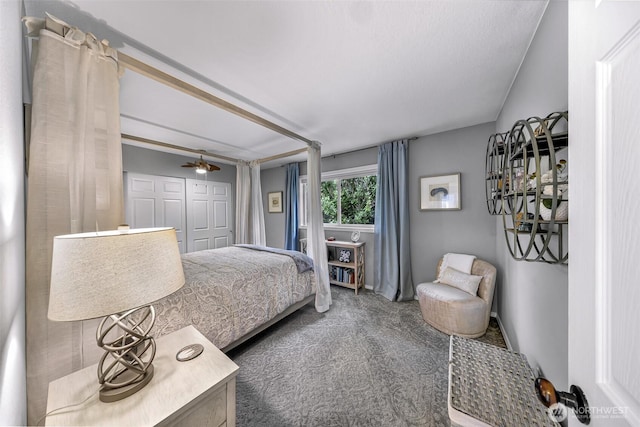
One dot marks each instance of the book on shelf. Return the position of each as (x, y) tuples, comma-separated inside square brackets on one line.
[(342, 274)]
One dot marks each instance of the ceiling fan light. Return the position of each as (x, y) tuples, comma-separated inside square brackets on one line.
[(201, 170)]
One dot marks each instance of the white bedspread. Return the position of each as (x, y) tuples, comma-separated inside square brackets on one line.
[(231, 291)]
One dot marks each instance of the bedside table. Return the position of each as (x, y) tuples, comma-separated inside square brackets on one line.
[(199, 392)]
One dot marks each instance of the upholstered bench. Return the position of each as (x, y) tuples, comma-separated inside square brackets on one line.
[(491, 386)]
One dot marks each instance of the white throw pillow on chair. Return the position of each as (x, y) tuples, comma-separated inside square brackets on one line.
[(461, 262), (463, 281)]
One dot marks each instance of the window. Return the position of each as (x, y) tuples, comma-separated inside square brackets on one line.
[(348, 198)]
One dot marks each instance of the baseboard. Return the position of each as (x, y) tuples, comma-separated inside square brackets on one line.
[(502, 330)]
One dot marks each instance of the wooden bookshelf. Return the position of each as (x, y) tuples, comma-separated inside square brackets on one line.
[(346, 270), (347, 274)]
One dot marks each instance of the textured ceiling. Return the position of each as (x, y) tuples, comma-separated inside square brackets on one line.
[(348, 74)]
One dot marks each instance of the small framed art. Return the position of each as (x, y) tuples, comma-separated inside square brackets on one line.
[(440, 192), (275, 202)]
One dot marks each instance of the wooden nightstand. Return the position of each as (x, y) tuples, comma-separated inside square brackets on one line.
[(198, 392)]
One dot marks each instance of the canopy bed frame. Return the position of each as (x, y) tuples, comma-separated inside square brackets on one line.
[(60, 28), (153, 73)]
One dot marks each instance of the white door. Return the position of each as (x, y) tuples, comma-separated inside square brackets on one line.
[(604, 230), (208, 215), (156, 201)]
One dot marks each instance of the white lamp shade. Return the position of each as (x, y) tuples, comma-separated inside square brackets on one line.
[(102, 273)]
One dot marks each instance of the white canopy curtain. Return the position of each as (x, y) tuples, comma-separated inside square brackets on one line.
[(74, 183), (249, 209), (243, 200), (316, 247), (256, 210)]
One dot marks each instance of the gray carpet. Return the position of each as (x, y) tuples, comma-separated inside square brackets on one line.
[(365, 362)]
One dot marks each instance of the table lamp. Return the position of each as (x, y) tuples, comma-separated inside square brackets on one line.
[(116, 275)]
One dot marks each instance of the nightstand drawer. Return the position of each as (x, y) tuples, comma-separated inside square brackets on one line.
[(210, 410)]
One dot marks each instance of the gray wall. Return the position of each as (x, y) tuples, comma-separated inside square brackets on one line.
[(533, 298), (13, 389), (273, 180), (470, 230)]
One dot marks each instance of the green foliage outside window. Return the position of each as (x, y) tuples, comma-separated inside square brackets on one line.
[(357, 200), (329, 200)]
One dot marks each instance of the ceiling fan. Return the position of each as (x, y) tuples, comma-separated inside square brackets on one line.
[(201, 166)]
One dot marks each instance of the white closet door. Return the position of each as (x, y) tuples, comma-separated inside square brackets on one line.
[(156, 201), (208, 215)]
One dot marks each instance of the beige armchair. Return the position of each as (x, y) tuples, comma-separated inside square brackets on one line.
[(454, 311)]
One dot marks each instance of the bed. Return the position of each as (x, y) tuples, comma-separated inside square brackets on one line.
[(232, 293)]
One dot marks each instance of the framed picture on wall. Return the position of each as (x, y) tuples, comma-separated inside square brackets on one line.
[(275, 202), (440, 192)]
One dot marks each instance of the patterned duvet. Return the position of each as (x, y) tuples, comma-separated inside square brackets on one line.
[(231, 291)]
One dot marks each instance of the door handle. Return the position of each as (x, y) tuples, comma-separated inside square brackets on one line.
[(574, 399)]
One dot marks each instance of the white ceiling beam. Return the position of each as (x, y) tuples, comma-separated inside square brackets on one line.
[(280, 156), (177, 147), (189, 89)]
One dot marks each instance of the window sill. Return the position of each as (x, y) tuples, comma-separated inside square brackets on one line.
[(346, 228)]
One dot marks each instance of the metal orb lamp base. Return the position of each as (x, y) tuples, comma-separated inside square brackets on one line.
[(125, 367)]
